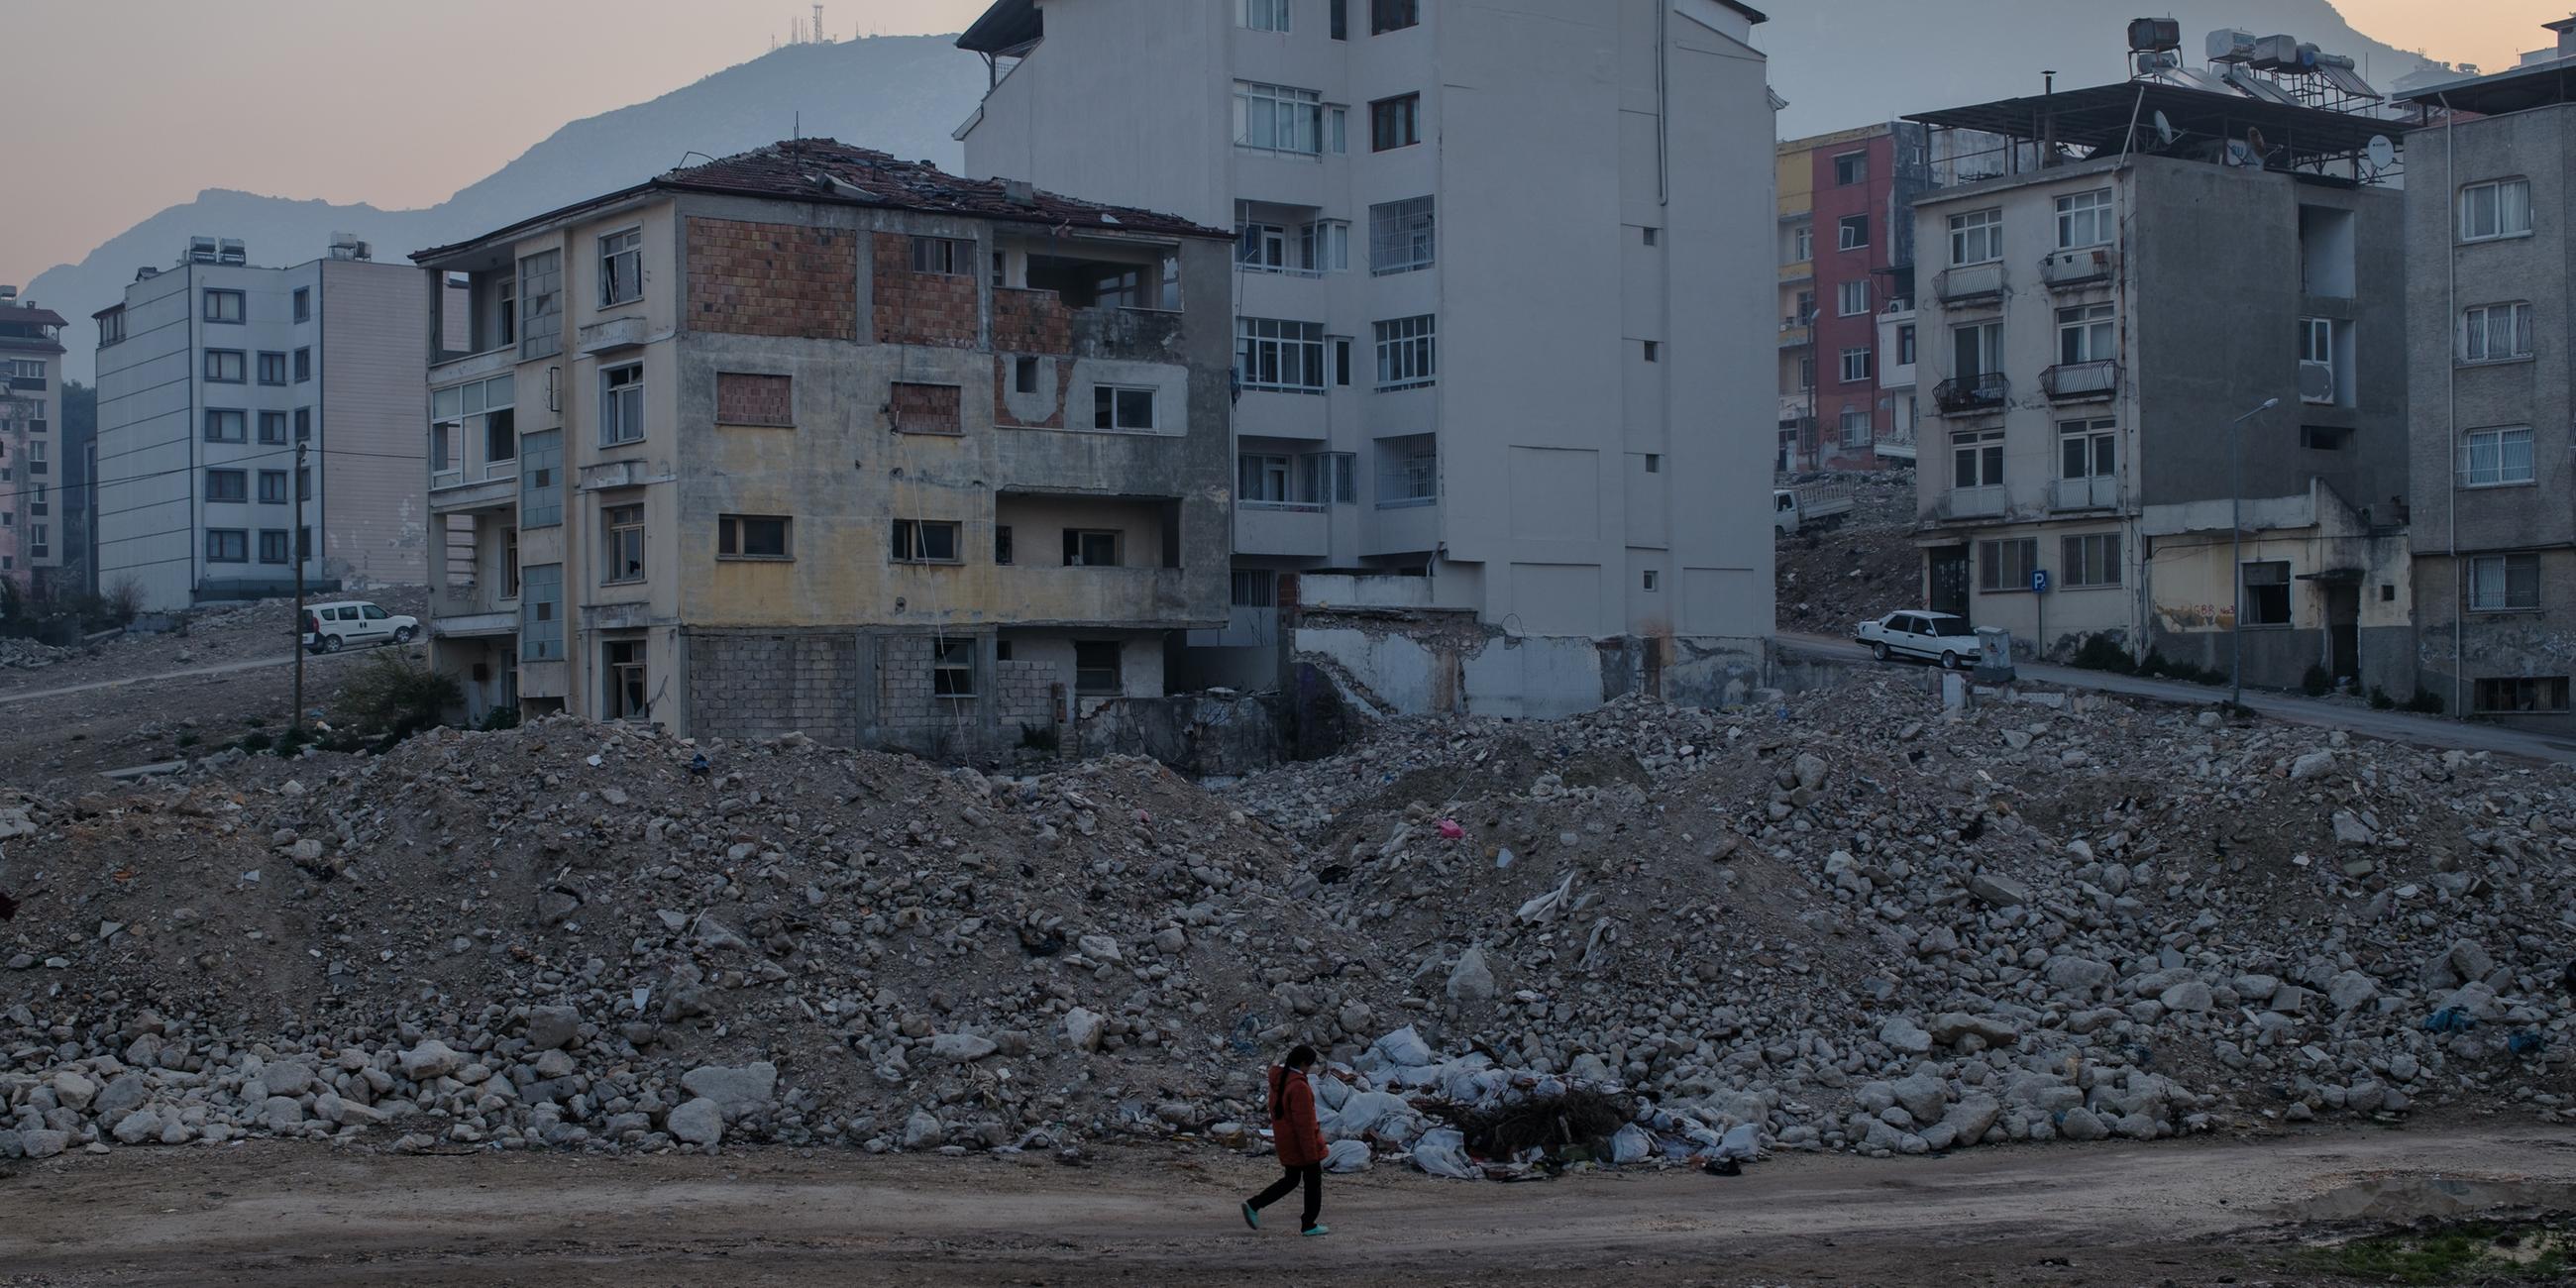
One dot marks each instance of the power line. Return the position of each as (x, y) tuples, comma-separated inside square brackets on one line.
[(99, 483)]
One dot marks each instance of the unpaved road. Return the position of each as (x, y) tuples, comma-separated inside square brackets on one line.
[(286, 1216)]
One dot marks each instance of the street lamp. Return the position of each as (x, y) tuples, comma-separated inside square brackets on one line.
[(2236, 538)]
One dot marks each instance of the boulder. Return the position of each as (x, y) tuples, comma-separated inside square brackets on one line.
[(1470, 980), (961, 1048), (922, 1131), (430, 1059), (553, 1027), (1999, 890), (700, 1122), (736, 1090), (1083, 1028)]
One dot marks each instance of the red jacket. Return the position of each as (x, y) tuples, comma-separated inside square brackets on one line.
[(1292, 1118)]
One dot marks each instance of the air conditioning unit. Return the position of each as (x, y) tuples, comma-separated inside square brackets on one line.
[(2316, 381)]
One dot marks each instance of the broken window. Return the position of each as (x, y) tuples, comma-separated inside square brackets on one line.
[(946, 256), (622, 666), (621, 404), (1002, 543), (2521, 694), (1851, 168), (1122, 407), (622, 548), (1853, 231), (1091, 548), (1024, 375), (2504, 583), (1095, 668), (621, 267), (2266, 593), (924, 541), (952, 667), (2006, 565), (1401, 236), (751, 536), (1395, 122)]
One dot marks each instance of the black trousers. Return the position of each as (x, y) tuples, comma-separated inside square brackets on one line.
[(1312, 1175)]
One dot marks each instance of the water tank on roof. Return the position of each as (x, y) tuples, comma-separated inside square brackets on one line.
[(2154, 35), (2276, 51), (233, 252), (201, 250), (2231, 45)]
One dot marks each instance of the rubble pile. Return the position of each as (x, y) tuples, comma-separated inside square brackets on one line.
[(1839, 921), (1825, 580), (29, 655)]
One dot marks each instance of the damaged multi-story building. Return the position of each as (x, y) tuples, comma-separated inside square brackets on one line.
[(2487, 248), (812, 439), (2148, 263), (33, 544), (1502, 320)]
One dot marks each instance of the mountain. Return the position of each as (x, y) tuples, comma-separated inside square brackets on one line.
[(900, 93)]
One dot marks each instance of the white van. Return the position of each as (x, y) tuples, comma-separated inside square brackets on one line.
[(328, 628)]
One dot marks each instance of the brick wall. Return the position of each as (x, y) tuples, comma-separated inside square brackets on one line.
[(1026, 321), (922, 308), (743, 399), (773, 279), (762, 684), (1006, 379), (1026, 694), (927, 409)]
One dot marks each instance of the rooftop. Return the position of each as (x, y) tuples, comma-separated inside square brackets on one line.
[(29, 315), (2110, 119), (1013, 25), (2519, 90), (829, 171)]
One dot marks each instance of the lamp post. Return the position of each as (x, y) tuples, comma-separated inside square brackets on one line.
[(2236, 539)]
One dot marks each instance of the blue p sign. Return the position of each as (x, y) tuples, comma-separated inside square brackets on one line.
[(2039, 581)]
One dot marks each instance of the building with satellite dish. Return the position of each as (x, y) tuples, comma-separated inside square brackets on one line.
[(2107, 283)]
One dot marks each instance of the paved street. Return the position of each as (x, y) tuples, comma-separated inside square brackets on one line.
[(2351, 717)]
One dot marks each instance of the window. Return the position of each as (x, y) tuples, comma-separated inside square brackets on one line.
[(749, 536), (2325, 438), (1341, 359), (2090, 561), (227, 486), (1260, 245), (2085, 334), (223, 426), (540, 304), (1649, 580), (1261, 479), (1802, 244), (2265, 593), (111, 327), (303, 365), (1263, 15), (2006, 565), (303, 483), (1002, 543), (1122, 407), (1855, 427), (1851, 168), (272, 368), (1654, 463), (1024, 375), (227, 545), (1807, 372), (1407, 353), (952, 667), (1856, 364), (1976, 350), (1648, 234), (1276, 118), (1977, 458), (1408, 471), (1096, 669), (1853, 232), (621, 667), (303, 424), (622, 544), (1091, 548), (2498, 209), (621, 404), (1977, 237), (272, 487), (1400, 236), (223, 306), (1328, 477), (540, 615), (2504, 583), (1851, 299), (2088, 449), (1395, 122), (1653, 351), (224, 366), (921, 541), (1272, 353), (2083, 219), (1905, 345), (1324, 246), (274, 544), (946, 256), (2495, 333), (1393, 15), (1255, 588), (304, 304), (1340, 19), (2520, 694), (621, 267), (506, 308), (272, 427)]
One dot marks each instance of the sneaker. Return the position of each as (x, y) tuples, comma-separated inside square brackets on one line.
[(1318, 1231), (1251, 1216)]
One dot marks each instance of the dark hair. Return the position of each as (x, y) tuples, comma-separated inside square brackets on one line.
[(1301, 1057)]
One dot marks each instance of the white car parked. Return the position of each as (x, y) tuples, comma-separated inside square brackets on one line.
[(328, 628), (1939, 637)]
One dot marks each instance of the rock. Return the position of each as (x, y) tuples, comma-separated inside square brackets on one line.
[(961, 1048), (1099, 948), (281, 1113), (285, 1078), (1083, 1028), (138, 1127), (430, 1059), (1170, 940), (2082, 1124), (1971, 1118), (1900, 1035), (42, 1143), (922, 1131), (74, 1091), (2470, 959), (553, 1027), (2189, 995), (2311, 765), (329, 1107), (2350, 990), (1950, 1028), (1923, 1096), (1809, 770), (700, 1122), (2350, 830), (122, 1094), (736, 1090), (1999, 890), (2078, 974), (1470, 980)]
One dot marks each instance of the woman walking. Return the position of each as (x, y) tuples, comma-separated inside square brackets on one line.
[(1301, 1143)]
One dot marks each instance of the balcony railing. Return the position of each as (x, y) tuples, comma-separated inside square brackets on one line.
[(2075, 381), (1970, 395), (2069, 269), (2085, 494), (477, 472), (1971, 282), (1972, 502)]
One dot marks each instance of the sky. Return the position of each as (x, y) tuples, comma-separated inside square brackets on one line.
[(380, 101)]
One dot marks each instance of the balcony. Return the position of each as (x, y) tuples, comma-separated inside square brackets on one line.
[(1970, 503), (2081, 381), (1792, 335), (1972, 395), (473, 485), (2069, 270), (2085, 494), (1298, 529), (1971, 283), (1050, 595), (609, 335)]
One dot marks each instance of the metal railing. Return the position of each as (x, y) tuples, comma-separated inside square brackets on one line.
[(2075, 380), (2085, 494), (1971, 282), (2081, 267), (1968, 395)]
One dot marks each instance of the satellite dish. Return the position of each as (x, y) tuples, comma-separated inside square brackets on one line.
[(2164, 129), (2383, 153), (2237, 154)]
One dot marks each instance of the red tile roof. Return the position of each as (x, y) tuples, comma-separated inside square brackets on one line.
[(826, 170)]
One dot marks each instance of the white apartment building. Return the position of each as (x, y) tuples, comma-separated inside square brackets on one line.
[(33, 506), (1503, 317), (250, 416)]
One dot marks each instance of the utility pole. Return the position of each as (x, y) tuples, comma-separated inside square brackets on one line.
[(2236, 539), (298, 547)]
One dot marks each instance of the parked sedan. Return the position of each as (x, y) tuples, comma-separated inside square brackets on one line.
[(1939, 637)]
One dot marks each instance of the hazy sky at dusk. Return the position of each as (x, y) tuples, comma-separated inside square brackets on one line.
[(379, 101)]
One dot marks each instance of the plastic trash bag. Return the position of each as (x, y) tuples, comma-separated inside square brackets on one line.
[(1632, 1144), (1442, 1151), (1347, 1156), (1403, 1048), (1742, 1141), (1364, 1112)]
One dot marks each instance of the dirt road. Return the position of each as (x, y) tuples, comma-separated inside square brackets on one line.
[(282, 1216)]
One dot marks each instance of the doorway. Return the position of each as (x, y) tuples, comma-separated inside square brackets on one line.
[(1949, 587), (2343, 632)]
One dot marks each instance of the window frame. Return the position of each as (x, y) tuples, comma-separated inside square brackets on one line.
[(2497, 188), (1079, 544), (1985, 228), (1846, 292), (1859, 364), (2478, 329), (1263, 15), (1846, 227), (1853, 174), (1301, 109), (303, 306), (618, 525), (1408, 352), (240, 422), (1307, 347), (1395, 122), (213, 365), (304, 365), (1868, 429), (227, 479), (284, 541), (950, 657), (1991, 565), (617, 384), (2505, 566), (272, 359), (2281, 588), (942, 256), (733, 533), (212, 312), (1402, 237), (1393, 15), (2088, 333), (2083, 555), (2097, 210), (2481, 701), (909, 541), (625, 244), (1112, 403), (1982, 450), (2501, 440), (212, 548)]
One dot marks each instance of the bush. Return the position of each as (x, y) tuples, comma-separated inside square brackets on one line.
[(2379, 699), (2425, 702), (123, 601), (392, 698), (256, 742), (2316, 683), (188, 739), (291, 740), (2102, 653), (1039, 737), (499, 718)]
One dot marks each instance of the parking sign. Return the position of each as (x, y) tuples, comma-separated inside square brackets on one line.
[(2039, 581)]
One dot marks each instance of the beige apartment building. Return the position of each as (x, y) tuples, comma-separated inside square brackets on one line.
[(812, 439), (32, 504)]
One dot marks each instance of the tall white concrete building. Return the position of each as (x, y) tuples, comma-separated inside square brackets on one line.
[(33, 504), (212, 376), (1503, 319)]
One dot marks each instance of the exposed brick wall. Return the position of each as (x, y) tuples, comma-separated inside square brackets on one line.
[(927, 409), (1006, 378), (905, 704), (922, 308), (1026, 321), (773, 279), (743, 399), (1025, 692), (762, 684)]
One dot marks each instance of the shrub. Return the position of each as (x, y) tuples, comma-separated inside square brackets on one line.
[(499, 718), (2379, 699), (291, 740), (2425, 702), (256, 742), (2316, 683), (1039, 737), (392, 698), (123, 601), (188, 739), (2102, 653)]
